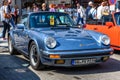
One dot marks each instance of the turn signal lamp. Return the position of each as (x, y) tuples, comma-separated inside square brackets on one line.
[(54, 56)]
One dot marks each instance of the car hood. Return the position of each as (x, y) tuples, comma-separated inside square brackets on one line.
[(65, 33), (72, 39)]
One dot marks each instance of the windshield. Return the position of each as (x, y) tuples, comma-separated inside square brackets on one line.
[(43, 20), (117, 18)]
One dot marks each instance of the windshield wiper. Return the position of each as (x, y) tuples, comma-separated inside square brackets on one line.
[(61, 27)]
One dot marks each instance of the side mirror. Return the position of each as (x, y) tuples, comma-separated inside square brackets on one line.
[(20, 26), (109, 24)]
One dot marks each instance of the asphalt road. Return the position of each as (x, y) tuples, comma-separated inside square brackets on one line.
[(16, 67)]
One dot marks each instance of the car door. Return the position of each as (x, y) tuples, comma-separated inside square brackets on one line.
[(20, 34), (25, 40), (98, 28), (98, 25), (114, 31)]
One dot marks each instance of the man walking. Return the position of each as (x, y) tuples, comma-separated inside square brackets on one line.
[(80, 14)]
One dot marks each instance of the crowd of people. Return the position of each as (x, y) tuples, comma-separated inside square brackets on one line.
[(93, 11), (79, 14), (44, 7)]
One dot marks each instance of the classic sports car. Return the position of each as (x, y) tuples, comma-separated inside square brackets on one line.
[(109, 25), (51, 38)]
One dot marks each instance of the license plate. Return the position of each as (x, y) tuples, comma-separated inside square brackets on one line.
[(83, 61)]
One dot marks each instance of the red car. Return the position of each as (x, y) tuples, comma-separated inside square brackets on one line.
[(109, 25)]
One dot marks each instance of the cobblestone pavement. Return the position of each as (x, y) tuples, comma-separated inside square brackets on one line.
[(16, 67), (3, 46)]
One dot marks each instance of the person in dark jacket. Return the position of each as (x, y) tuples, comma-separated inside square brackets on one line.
[(11, 20), (88, 8)]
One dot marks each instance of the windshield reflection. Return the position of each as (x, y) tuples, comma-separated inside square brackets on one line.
[(42, 20)]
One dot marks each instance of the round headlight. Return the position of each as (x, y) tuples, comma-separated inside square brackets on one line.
[(105, 40), (50, 42)]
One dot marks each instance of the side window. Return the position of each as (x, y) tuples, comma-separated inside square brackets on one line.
[(62, 19), (24, 20)]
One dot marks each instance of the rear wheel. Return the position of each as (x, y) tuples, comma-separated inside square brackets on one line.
[(11, 48), (35, 57)]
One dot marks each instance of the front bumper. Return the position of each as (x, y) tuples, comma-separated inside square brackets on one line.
[(69, 56)]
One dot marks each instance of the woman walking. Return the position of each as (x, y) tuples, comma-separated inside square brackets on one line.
[(5, 18)]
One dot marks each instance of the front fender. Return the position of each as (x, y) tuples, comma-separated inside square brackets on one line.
[(39, 43)]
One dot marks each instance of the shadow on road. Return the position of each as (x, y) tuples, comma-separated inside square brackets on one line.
[(15, 68), (111, 65)]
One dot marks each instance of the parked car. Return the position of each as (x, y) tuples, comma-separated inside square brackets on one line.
[(51, 38), (110, 26)]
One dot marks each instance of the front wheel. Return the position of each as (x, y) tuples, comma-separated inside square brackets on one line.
[(35, 57)]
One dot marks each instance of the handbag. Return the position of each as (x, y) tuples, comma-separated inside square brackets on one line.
[(6, 15), (105, 13)]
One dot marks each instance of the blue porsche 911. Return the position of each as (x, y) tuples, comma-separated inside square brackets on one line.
[(53, 39)]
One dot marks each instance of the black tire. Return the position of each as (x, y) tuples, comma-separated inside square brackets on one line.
[(35, 57), (11, 48)]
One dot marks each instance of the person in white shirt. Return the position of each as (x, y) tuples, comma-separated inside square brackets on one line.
[(99, 10), (5, 18), (106, 8), (105, 13), (93, 12), (80, 14)]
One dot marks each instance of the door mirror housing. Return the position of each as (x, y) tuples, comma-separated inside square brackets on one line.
[(109, 24), (20, 26)]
